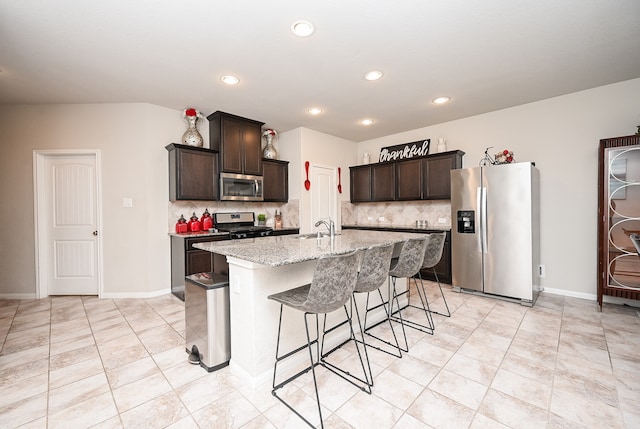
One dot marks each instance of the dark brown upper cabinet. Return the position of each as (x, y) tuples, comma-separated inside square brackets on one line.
[(360, 183), (408, 180), (275, 180), (239, 142), (383, 178), (193, 173), (425, 178), (436, 180)]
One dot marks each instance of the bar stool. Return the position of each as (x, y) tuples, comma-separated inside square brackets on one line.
[(334, 281), (432, 257), (373, 273), (408, 266)]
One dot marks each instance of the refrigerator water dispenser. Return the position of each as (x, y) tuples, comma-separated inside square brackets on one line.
[(466, 222)]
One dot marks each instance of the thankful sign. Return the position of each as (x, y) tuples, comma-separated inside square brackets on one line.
[(405, 151)]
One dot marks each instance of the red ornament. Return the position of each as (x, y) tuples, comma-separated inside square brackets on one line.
[(181, 225), (191, 112), (505, 152), (206, 221), (194, 223)]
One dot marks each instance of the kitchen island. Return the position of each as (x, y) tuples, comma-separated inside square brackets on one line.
[(263, 266)]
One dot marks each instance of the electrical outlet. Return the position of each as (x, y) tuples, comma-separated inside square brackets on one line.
[(369, 217), (381, 219), (541, 271), (442, 220), (127, 202)]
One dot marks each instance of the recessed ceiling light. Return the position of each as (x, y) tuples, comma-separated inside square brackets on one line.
[(314, 110), (230, 80), (366, 122), (373, 75), (302, 28), (441, 100)]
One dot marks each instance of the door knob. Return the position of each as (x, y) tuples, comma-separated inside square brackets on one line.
[(95, 232)]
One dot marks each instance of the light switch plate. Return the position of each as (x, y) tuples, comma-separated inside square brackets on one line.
[(127, 202)]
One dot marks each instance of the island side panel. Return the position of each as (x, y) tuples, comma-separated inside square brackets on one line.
[(254, 318)]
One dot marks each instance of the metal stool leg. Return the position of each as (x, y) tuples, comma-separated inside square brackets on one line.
[(389, 318), (351, 378), (429, 328)]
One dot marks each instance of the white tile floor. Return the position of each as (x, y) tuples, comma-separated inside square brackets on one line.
[(76, 362)]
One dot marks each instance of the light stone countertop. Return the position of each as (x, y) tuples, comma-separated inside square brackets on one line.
[(289, 249), (433, 227)]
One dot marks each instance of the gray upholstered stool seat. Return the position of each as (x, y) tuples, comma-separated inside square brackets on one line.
[(373, 274), (334, 280)]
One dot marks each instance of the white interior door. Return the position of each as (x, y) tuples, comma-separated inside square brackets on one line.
[(68, 224), (324, 194)]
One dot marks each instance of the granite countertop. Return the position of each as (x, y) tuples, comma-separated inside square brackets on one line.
[(290, 249), (214, 234), (437, 227)]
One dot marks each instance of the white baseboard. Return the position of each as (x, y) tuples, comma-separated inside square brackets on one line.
[(124, 295), (593, 297), (563, 292), (17, 296)]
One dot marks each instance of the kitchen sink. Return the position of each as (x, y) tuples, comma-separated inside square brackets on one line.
[(312, 235)]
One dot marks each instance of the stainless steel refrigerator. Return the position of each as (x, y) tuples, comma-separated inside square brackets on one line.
[(495, 237)]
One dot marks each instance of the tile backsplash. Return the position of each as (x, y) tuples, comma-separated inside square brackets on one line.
[(290, 210), (396, 213)]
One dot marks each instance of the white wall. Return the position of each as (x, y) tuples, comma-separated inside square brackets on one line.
[(561, 135), (304, 144), (131, 138)]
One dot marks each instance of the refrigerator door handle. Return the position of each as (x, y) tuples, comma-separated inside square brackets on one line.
[(483, 218), (479, 214)]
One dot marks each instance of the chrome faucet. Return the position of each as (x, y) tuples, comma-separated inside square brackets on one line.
[(330, 226)]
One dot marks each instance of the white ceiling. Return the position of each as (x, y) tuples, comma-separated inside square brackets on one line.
[(486, 55)]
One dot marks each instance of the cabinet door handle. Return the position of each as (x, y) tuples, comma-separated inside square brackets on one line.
[(95, 232)]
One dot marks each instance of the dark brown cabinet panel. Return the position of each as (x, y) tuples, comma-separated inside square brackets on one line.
[(408, 180), (193, 173), (275, 180), (238, 140), (436, 180), (383, 179), (360, 183), (198, 261)]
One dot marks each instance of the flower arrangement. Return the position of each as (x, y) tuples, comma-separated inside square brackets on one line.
[(269, 132), (191, 112), (504, 157)]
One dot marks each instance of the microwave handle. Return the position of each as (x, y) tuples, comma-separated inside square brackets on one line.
[(257, 186)]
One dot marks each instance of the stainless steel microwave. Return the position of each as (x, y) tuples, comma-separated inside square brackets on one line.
[(240, 187)]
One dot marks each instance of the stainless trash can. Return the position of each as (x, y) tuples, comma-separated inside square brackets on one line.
[(207, 321)]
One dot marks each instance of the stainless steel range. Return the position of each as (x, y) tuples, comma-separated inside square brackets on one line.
[(240, 225)]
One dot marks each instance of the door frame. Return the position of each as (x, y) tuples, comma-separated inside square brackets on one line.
[(39, 201)]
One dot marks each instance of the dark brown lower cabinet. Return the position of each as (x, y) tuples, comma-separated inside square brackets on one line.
[(187, 260), (443, 268)]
